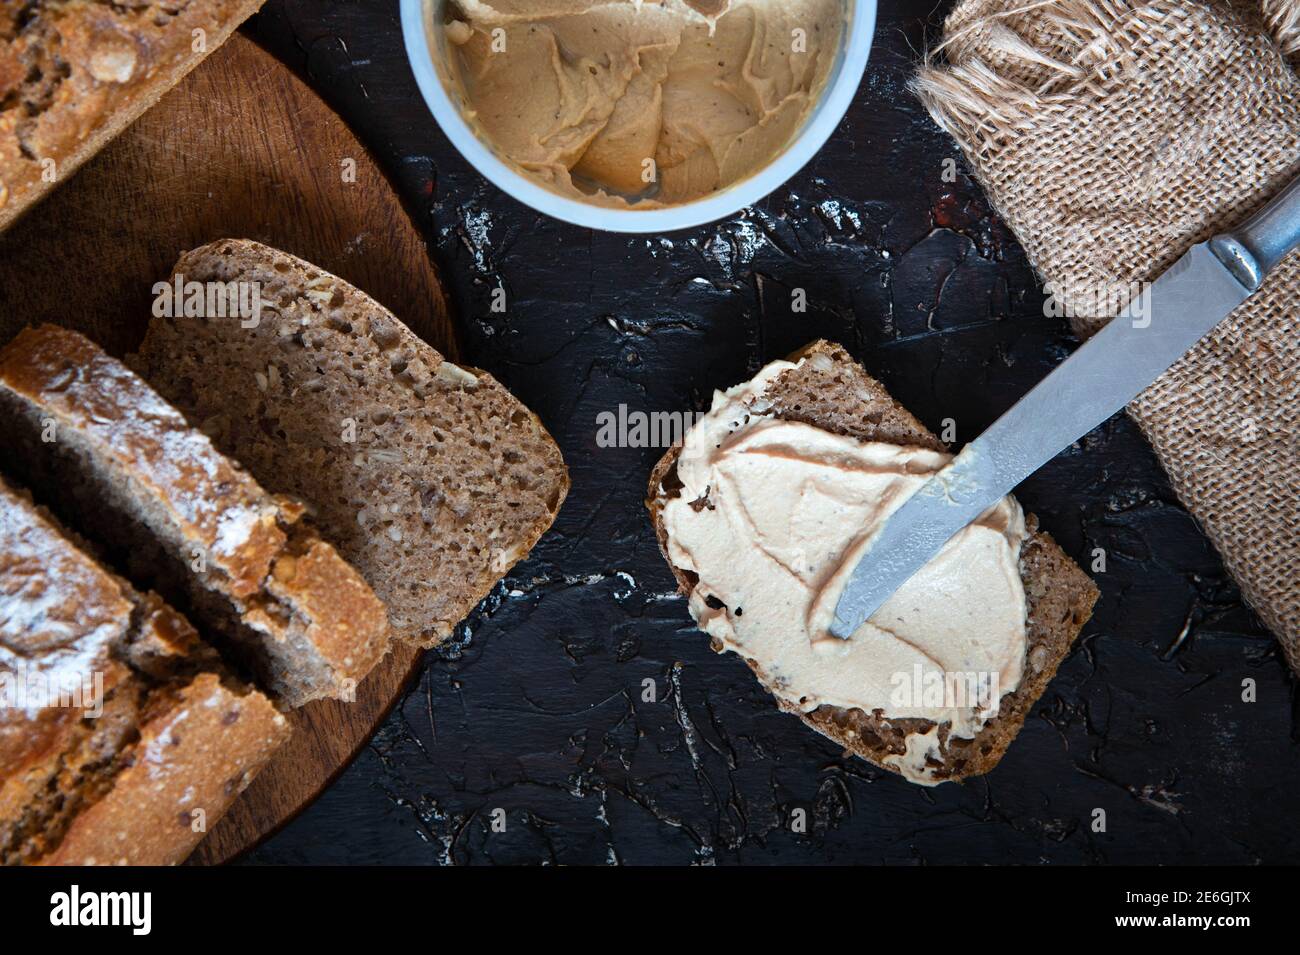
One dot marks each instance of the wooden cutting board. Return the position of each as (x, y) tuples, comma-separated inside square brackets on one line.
[(240, 149)]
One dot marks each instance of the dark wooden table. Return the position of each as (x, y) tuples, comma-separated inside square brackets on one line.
[(536, 708)]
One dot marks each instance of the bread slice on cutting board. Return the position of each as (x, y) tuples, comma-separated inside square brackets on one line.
[(122, 466), (74, 75), (130, 739), (431, 478), (831, 392)]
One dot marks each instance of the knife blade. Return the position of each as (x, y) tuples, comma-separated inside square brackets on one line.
[(1170, 316)]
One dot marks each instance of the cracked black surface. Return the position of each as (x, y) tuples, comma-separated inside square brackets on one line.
[(537, 709)]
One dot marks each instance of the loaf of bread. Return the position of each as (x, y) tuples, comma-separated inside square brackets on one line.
[(113, 459), (75, 73), (829, 391), (122, 739), (431, 478)]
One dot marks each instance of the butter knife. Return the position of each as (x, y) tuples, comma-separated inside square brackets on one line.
[(1170, 316)]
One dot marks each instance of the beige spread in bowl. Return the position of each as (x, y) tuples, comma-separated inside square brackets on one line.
[(640, 103)]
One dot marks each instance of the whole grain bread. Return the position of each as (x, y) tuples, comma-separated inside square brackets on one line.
[(431, 478), (136, 740), (832, 392), (75, 73), (215, 740), (120, 464)]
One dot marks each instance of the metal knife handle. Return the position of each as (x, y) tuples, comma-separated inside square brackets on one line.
[(1251, 250)]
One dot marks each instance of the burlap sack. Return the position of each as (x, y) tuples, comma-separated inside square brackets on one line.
[(1111, 136)]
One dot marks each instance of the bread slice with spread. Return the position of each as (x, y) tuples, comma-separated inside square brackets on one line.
[(759, 513)]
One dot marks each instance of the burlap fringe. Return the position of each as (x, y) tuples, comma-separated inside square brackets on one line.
[(1282, 17), (976, 105)]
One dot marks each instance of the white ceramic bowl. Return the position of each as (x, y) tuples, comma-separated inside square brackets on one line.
[(426, 48)]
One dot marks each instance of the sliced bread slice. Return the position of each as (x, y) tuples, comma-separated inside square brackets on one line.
[(830, 391), (431, 478), (197, 746), (114, 459), (129, 740), (74, 75)]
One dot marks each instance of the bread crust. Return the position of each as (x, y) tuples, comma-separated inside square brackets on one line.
[(69, 378), (99, 67), (199, 748), (1058, 594), (174, 733), (292, 591), (61, 618)]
